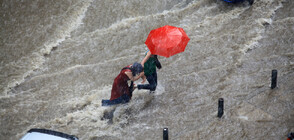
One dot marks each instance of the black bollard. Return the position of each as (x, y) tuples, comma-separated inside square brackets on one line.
[(220, 107), (165, 134), (274, 79)]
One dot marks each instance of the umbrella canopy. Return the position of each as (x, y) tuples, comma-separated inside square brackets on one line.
[(167, 41)]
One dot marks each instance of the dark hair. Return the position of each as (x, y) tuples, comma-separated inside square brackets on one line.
[(136, 68)]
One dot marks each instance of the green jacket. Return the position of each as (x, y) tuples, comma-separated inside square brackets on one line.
[(149, 66)]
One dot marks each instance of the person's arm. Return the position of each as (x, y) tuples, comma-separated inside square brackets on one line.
[(143, 78), (134, 78), (146, 58)]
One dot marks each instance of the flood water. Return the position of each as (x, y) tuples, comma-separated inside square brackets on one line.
[(58, 60)]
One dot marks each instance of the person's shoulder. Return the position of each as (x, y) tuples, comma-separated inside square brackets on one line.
[(128, 68)]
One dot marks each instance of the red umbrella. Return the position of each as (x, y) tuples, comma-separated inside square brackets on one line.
[(167, 41)]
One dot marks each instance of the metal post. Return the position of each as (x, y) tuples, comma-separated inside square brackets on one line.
[(274, 79), (165, 134), (220, 107)]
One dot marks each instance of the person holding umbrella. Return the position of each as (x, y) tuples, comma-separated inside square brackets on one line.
[(150, 62), (164, 41)]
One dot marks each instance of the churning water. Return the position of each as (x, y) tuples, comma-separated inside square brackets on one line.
[(59, 59)]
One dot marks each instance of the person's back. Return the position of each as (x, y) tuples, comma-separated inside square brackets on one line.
[(149, 66), (120, 85)]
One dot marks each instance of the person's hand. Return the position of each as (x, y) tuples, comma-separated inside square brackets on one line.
[(143, 79)]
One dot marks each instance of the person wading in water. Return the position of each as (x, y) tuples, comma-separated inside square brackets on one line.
[(121, 92)]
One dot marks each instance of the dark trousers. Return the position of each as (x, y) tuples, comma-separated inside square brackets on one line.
[(120, 100), (152, 79)]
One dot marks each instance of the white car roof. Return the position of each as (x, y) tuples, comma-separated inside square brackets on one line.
[(41, 136), (44, 134)]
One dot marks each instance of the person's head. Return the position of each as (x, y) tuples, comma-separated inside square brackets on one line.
[(136, 68)]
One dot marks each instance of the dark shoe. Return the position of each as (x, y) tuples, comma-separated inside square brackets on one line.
[(151, 92), (251, 2)]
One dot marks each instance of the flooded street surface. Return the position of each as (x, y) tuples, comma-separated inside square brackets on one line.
[(58, 60)]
